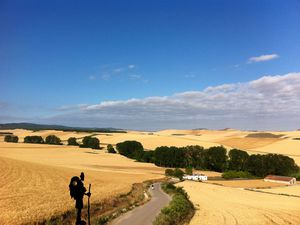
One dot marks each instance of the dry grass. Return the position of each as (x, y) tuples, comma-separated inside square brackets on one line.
[(35, 178), (231, 206), (258, 183), (287, 190), (40, 173)]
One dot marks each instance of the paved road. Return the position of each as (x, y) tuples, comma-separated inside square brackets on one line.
[(145, 214)]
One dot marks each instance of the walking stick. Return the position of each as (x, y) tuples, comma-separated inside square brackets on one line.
[(89, 219)]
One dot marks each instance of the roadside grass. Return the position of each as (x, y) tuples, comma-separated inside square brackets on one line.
[(179, 211)]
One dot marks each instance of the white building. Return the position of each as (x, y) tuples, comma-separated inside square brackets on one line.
[(280, 179), (196, 177)]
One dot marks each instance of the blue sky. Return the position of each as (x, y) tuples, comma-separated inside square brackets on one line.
[(81, 63)]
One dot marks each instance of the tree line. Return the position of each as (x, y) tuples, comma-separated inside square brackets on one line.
[(214, 158), (87, 142)]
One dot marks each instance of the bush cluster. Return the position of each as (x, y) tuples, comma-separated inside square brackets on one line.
[(178, 211), (11, 138)]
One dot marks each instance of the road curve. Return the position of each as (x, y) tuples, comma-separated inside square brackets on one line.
[(145, 214)]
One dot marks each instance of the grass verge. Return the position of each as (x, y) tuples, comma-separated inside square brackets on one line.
[(179, 211)]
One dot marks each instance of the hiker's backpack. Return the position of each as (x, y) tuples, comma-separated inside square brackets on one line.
[(76, 187)]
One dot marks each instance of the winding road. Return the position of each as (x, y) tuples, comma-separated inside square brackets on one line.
[(145, 214)]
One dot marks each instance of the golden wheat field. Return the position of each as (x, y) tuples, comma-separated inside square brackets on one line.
[(232, 206), (287, 190), (257, 183), (286, 143), (34, 178)]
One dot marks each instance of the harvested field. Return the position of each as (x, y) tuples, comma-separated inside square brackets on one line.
[(287, 190), (248, 143), (257, 183), (231, 206), (35, 178), (264, 135)]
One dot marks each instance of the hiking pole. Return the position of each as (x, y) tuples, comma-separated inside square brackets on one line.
[(89, 219)]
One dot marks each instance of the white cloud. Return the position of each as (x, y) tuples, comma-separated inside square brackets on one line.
[(118, 70), (92, 77), (190, 75), (262, 58), (134, 77), (131, 66), (270, 102)]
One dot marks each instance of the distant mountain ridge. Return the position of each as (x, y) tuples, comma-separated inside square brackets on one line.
[(33, 126)]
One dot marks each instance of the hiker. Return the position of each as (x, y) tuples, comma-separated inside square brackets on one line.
[(77, 191)]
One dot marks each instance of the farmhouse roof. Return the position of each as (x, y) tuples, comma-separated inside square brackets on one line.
[(281, 178)]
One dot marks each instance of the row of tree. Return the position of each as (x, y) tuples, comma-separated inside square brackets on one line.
[(11, 138), (214, 158), (87, 142)]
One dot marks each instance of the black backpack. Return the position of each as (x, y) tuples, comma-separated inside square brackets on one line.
[(76, 187)]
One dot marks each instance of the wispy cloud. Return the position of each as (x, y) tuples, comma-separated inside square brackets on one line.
[(115, 70), (262, 58), (131, 66), (134, 77), (270, 102), (190, 75), (92, 77)]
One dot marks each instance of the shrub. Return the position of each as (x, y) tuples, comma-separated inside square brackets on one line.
[(111, 149), (102, 220), (178, 173), (189, 170), (72, 141), (169, 172), (34, 139), (296, 175), (90, 142), (53, 140), (11, 138), (175, 173), (178, 211), (236, 174)]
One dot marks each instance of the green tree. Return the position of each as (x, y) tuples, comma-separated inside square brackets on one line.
[(110, 149), (73, 141), (237, 159), (131, 149), (194, 156), (169, 172), (169, 156), (53, 140), (216, 158), (11, 138), (90, 142), (189, 170), (178, 173), (34, 139)]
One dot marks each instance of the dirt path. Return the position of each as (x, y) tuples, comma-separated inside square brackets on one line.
[(146, 213)]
